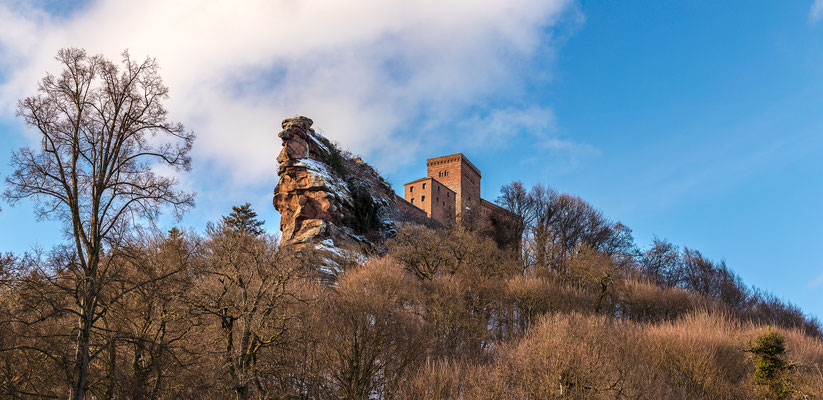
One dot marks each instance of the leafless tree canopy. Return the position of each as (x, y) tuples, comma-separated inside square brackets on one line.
[(553, 224), (446, 313), (102, 129)]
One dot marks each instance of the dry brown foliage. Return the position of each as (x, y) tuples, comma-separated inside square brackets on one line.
[(234, 315)]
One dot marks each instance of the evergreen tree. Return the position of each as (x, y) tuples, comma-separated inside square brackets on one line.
[(244, 219), (175, 234), (770, 370)]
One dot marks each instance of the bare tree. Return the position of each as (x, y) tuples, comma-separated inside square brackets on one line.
[(699, 274), (102, 129), (661, 262), (421, 250), (545, 215), (366, 356), (149, 327), (515, 198), (247, 285)]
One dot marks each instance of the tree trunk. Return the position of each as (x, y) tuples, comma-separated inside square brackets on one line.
[(110, 372), (87, 304), (81, 366)]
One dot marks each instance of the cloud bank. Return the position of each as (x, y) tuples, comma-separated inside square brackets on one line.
[(381, 77)]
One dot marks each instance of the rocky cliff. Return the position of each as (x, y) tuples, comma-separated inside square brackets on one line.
[(326, 197)]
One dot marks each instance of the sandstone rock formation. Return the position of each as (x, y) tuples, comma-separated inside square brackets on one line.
[(325, 197)]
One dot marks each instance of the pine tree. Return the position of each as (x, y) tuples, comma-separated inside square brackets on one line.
[(770, 370), (244, 219), (175, 234)]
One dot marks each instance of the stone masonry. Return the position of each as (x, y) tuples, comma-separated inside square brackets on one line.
[(452, 186)]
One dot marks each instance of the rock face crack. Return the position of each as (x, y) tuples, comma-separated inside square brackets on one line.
[(326, 197)]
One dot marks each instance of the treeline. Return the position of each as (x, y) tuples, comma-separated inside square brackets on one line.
[(444, 314), (554, 226)]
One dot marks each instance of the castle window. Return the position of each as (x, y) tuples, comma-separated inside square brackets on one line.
[(412, 200), (411, 189), (424, 186), (422, 198)]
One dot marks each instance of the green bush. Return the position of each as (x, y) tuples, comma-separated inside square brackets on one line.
[(770, 370)]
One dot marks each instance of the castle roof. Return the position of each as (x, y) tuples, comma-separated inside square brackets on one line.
[(425, 178)]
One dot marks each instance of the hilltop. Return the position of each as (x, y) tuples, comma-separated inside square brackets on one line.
[(368, 296), (570, 308)]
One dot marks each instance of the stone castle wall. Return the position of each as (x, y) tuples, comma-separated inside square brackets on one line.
[(437, 200)]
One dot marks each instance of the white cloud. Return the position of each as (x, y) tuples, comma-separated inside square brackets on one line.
[(816, 11), (533, 126), (816, 282), (363, 72), (497, 127)]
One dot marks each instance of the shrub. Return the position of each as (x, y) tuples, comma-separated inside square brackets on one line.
[(335, 158), (642, 301), (770, 370)]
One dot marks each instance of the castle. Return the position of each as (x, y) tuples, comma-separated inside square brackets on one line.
[(329, 200), (451, 186)]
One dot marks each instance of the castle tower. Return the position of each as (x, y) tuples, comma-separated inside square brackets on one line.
[(456, 172), (451, 186)]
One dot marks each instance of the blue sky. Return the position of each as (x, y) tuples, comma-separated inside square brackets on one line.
[(699, 123)]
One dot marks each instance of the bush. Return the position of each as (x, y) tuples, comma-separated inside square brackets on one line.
[(335, 158), (770, 370), (642, 301)]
